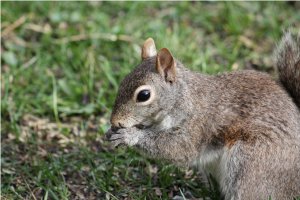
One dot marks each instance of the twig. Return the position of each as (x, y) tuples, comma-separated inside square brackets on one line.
[(13, 26), (30, 62), (19, 41), (31, 193), (40, 29), (104, 36)]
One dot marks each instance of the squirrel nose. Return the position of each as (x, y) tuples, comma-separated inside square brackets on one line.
[(117, 126)]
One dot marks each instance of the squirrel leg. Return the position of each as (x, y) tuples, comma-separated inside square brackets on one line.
[(170, 145), (175, 146)]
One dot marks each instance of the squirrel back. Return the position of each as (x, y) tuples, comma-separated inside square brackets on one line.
[(288, 64)]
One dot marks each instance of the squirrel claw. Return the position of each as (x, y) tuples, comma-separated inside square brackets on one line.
[(115, 137), (124, 136), (108, 134)]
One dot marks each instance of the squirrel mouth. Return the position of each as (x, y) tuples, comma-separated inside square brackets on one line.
[(142, 126), (139, 126)]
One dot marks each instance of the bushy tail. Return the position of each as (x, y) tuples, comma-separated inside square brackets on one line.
[(288, 64)]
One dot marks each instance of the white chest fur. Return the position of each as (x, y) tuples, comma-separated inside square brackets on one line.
[(214, 162)]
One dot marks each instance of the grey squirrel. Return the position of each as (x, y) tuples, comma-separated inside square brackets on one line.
[(241, 127)]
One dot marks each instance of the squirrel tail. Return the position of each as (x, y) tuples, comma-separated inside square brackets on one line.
[(287, 59)]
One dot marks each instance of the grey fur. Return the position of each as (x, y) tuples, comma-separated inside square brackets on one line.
[(288, 63), (242, 127)]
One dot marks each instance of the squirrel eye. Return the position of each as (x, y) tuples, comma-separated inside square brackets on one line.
[(143, 96)]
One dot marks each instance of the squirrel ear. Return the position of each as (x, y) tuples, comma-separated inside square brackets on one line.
[(148, 49), (166, 65)]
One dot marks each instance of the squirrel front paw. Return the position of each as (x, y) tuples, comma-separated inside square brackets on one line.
[(124, 136)]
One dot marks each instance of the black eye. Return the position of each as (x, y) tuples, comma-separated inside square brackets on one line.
[(143, 95)]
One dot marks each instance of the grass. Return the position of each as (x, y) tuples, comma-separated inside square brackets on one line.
[(61, 63)]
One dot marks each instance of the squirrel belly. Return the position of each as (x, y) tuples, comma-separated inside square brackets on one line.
[(242, 127)]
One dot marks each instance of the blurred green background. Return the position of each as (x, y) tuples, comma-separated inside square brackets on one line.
[(61, 63)]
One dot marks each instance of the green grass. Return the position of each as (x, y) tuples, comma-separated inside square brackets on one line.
[(60, 69)]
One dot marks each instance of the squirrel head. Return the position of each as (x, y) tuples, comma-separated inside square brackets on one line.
[(147, 94)]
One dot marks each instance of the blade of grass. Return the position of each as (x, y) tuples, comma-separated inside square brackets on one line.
[(54, 98)]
